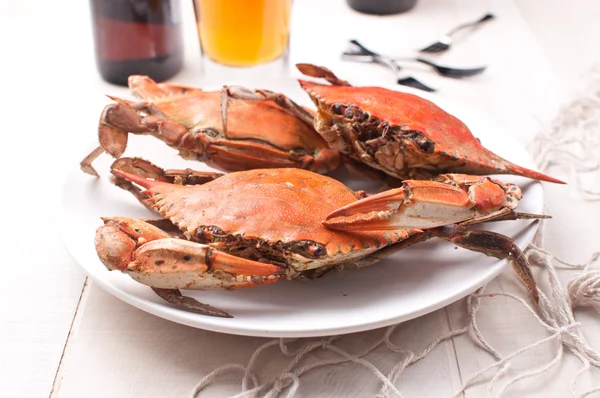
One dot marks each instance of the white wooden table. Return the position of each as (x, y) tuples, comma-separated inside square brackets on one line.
[(62, 336)]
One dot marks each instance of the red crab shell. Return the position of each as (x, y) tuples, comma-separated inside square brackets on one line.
[(253, 134), (261, 122), (402, 134), (260, 209)]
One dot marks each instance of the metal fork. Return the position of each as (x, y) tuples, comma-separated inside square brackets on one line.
[(363, 54), (446, 40)]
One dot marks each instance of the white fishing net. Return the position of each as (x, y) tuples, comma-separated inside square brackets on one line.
[(571, 142)]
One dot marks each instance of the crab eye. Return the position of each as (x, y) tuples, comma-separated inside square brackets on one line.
[(338, 109), (212, 133), (362, 117), (425, 145), (307, 248)]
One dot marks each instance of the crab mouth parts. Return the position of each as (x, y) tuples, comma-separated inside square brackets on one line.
[(395, 150)]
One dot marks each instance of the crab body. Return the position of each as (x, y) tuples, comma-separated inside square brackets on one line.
[(259, 226), (255, 134), (401, 134), (269, 215)]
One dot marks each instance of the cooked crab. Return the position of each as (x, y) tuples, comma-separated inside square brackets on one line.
[(260, 226), (255, 134)]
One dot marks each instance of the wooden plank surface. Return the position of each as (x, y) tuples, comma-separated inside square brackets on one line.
[(143, 354), (41, 284)]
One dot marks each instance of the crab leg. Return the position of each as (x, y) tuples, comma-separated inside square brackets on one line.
[(151, 257), (174, 296), (146, 169), (234, 156), (494, 245), (489, 243), (86, 163), (322, 73), (120, 119)]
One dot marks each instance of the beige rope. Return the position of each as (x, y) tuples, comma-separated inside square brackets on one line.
[(584, 290), (572, 141)]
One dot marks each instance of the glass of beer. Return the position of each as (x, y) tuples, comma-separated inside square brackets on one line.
[(241, 35)]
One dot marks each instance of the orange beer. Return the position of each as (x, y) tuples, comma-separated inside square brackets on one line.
[(243, 32)]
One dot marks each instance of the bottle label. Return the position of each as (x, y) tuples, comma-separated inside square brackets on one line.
[(121, 40)]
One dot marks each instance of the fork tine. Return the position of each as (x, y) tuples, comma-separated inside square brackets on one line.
[(412, 82), (473, 72), (445, 42), (463, 72), (449, 71), (458, 73), (435, 48)]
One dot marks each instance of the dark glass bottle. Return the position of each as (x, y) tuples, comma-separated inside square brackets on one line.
[(137, 37), (382, 7)]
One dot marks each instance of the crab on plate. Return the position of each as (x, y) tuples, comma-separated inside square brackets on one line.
[(256, 227), (254, 135)]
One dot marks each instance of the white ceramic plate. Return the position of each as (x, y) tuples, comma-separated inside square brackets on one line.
[(406, 285)]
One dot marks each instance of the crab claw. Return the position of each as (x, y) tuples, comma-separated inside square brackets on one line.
[(119, 237), (436, 208), (179, 264), (426, 204), (152, 257)]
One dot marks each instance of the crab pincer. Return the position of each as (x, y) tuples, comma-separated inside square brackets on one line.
[(154, 258), (439, 209)]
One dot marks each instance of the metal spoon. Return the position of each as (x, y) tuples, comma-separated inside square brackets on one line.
[(391, 64), (445, 70), (442, 70)]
